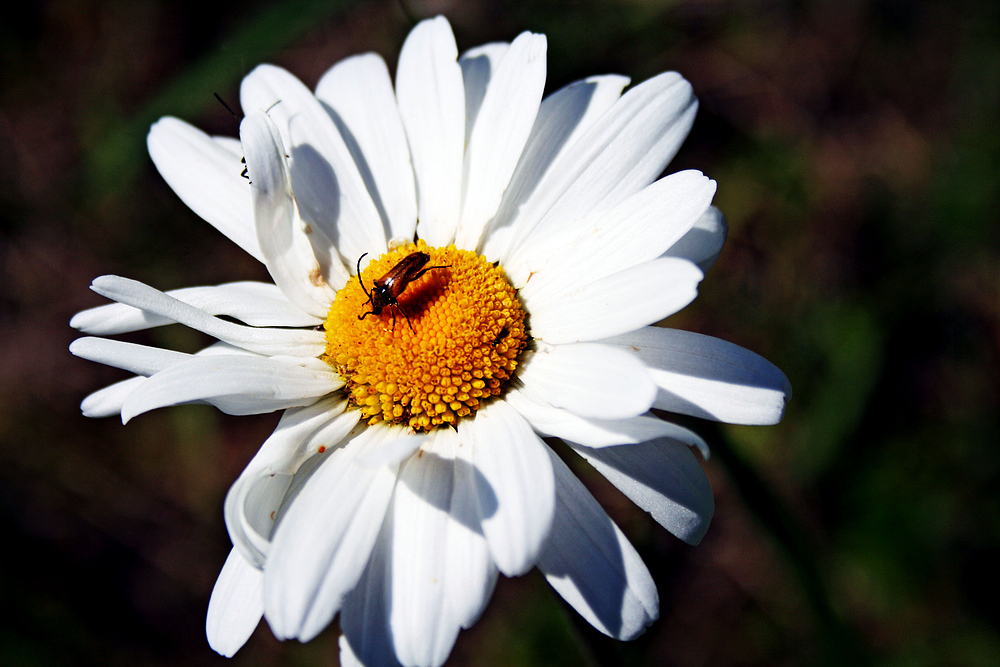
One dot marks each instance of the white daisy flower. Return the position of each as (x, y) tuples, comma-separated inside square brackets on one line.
[(513, 253)]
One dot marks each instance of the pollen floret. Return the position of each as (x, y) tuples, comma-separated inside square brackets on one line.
[(452, 343)]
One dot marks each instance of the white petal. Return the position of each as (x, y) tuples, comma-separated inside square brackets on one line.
[(623, 152), (206, 176), (515, 485), (138, 359), (709, 378), (330, 192), (478, 66), (432, 105), (592, 565), (559, 423), (323, 541), (638, 230), (295, 342), (423, 625), (501, 129), (473, 574), (359, 93), (231, 145), (442, 574), (236, 384), (562, 118), (349, 659), (662, 477), (591, 380), (253, 500), (288, 243), (109, 400), (367, 640), (224, 348), (141, 359), (703, 242), (260, 499), (256, 304), (621, 302), (392, 454), (236, 605)]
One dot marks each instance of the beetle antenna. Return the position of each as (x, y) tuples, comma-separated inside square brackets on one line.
[(228, 108), (367, 293)]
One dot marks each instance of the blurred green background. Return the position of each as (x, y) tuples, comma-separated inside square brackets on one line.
[(857, 150)]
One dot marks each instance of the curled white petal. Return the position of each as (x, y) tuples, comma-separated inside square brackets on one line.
[(253, 501), (236, 384), (330, 193), (295, 342), (236, 605), (108, 401), (256, 304), (287, 243), (138, 359)]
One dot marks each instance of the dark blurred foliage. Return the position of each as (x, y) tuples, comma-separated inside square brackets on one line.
[(857, 149)]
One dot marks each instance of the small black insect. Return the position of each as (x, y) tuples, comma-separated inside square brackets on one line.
[(232, 113), (389, 287), (500, 336)]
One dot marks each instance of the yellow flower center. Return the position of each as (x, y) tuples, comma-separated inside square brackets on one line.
[(448, 342)]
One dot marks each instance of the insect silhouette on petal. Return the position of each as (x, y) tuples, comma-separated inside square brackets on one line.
[(243, 160), (387, 289)]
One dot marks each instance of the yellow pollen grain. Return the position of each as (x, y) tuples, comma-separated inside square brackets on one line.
[(453, 342)]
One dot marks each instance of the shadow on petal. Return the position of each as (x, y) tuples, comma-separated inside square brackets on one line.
[(456, 470), (317, 193), (363, 167)]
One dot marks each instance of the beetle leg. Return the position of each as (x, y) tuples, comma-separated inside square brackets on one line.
[(405, 317)]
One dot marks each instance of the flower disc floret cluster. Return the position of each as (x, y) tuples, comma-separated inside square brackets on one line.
[(452, 343)]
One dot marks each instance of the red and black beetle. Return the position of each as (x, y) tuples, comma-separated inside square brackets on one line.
[(387, 289)]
